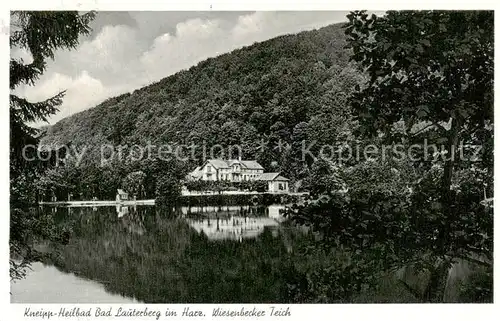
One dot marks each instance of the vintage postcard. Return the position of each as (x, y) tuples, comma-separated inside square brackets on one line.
[(258, 158)]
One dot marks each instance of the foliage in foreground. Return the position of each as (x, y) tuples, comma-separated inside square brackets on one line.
[(381, 230), (429, 78), (39, 33)]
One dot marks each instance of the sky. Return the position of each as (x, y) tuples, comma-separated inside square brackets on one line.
[(129, 50)]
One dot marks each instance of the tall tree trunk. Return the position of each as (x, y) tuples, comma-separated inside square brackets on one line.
[(450, 161), (434, 292), (435, 288)]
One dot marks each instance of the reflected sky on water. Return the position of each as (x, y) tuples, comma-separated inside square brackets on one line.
[(46, 284)]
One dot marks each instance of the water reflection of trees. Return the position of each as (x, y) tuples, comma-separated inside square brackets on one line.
[(169, 262)]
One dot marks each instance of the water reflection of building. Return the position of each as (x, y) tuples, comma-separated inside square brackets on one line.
[(121, 210), (216, 222), (232, 227), (275, 212), (271, 211), (232, 222), (131, 219)]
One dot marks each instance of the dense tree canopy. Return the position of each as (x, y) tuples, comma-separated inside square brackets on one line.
[(434, 67), (429, 77)]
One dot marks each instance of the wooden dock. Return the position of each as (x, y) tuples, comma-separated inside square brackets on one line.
[(98, 203)]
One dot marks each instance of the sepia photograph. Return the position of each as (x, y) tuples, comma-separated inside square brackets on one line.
[(251, 157)]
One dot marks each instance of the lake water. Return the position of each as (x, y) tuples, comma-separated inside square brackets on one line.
[(191, 255)]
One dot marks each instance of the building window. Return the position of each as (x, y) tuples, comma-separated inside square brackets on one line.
[(209, 168)]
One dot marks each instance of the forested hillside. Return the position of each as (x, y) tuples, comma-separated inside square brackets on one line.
[(288, 88)]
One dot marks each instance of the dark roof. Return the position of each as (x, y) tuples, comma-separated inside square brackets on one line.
[(218, 163), (251, 164), (271, 177)]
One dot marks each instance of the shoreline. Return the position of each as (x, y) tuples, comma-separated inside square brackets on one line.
[(98, 203), (152, 201)]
